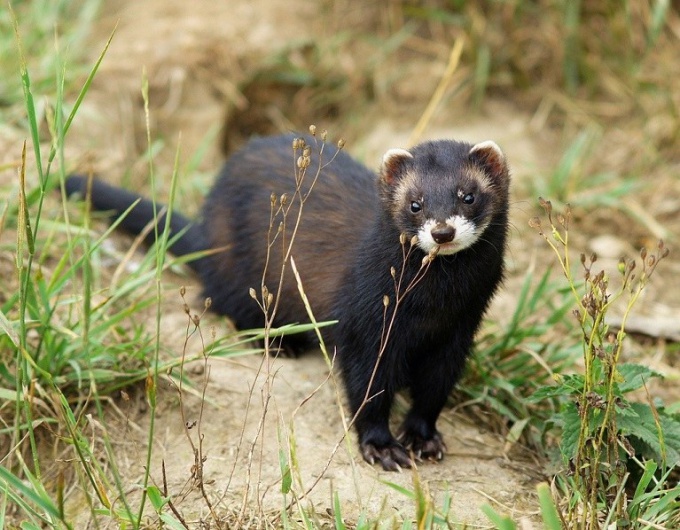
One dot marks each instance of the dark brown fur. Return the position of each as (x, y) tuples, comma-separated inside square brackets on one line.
[(347, 242)]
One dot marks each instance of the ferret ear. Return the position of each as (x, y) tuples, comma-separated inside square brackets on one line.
[(393, 165), (489, 156)]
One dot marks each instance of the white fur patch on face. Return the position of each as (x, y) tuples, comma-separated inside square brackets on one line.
[(467, 234)]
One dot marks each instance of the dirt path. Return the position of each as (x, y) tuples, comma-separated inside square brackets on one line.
[(303, 407)]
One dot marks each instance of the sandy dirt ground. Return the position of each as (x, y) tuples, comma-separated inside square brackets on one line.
[(195, 54)]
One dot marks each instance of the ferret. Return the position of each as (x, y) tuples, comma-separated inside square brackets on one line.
[(406, 261)]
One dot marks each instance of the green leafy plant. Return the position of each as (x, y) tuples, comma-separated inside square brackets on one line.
[(602, 429)]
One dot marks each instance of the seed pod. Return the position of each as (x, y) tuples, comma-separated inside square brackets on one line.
[(252, 293), (621, 266), (207, 303), (341, 143), (386, 300), (312, 130)]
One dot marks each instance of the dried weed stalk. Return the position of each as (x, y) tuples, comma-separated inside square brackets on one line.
[(285, 212), (192, 426)]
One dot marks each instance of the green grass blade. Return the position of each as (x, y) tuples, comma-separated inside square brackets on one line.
[(500, 522), (551, 519), (28, 96), (88, 82), (30, 498)]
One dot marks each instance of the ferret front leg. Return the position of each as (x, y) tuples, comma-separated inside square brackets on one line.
[(376, 442), (372, 413), (431, 383)]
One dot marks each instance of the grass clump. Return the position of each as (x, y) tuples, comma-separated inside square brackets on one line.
[(46, 28), (71, 336), (513, 361)]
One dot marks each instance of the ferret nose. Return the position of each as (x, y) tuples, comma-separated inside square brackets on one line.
[(443, 233)]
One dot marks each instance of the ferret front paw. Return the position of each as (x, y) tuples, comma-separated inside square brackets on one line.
[(428, 449), (392, 457)]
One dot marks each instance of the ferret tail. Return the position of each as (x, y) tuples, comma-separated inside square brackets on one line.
[(185, 237)]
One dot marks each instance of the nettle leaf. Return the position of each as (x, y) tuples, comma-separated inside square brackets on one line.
[(567, 385), (638, 423), (570, 420), (634, 376)]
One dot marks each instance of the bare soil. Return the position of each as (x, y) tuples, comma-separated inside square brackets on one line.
[(195, 56)]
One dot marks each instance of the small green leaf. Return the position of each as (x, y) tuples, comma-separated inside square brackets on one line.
[(571, 427), (157, 500), (634, 376), (286, 476), (7, 328), (662, 440), (171, 521), (568, 385)]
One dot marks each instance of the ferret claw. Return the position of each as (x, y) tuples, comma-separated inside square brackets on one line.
[(430, 449), (392, 457)]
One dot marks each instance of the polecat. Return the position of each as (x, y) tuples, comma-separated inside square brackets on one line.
[(435, 218)]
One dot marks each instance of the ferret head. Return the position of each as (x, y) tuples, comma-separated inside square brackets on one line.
[(446, 193)]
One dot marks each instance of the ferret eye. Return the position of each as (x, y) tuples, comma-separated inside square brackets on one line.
[(469, 198), (416, 207)]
